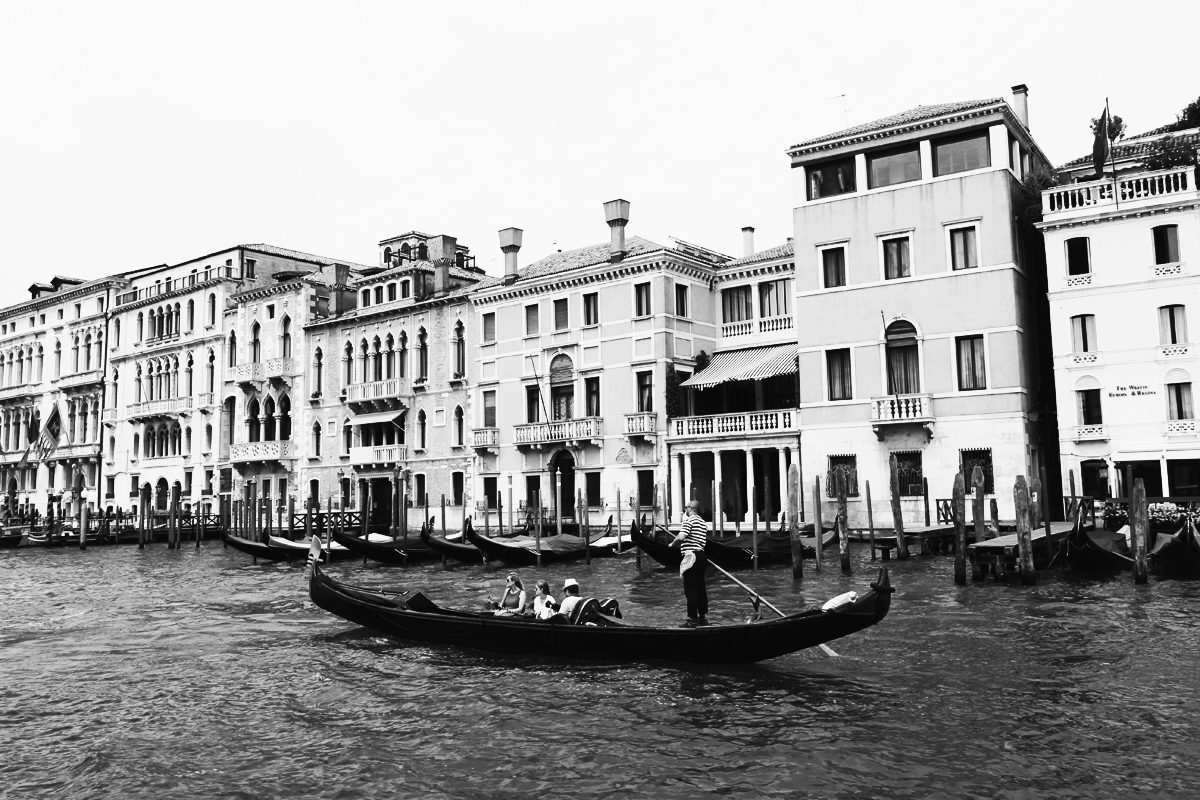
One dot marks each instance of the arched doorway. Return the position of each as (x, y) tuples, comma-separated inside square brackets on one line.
[(161, 492), (563, 463)]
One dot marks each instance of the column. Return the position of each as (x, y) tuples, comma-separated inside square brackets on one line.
[(749, 485), (1162, 467), (718, 513), (781, 487), (687, 477), (1109, 462), (677, 489)]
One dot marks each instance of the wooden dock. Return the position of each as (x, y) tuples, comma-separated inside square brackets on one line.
[(998, 557)]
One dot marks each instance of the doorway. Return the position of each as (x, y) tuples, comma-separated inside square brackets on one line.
[(563, 463)]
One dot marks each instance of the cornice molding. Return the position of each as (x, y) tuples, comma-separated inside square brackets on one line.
[(1114, 215)]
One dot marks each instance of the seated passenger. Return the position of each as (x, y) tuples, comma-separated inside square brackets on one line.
[(512, 602), (570, 597), (543, 604)]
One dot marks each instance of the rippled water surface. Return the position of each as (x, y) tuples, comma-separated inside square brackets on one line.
[(197, 674)]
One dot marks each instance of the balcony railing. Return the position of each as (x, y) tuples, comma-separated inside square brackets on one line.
[(564, 430), (1169, 269), (756, 327), (81, 378), (176, 284), (154, 408), (902, 408), (485, 437), (374, 390), (1089, 433), (378, 454), (109, 415), (1172, 350), (85, 450), (740, 328), (1133, 190), (750, 423), (17, 389), (206, 399), (279, 367), (643, 423), (1180, 427), (243, 373), (260, 451)]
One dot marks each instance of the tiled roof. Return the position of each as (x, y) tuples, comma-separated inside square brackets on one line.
[(1139, 146), (409, 266), (908, 117), (567, 260), (771, 253), (284, 252)]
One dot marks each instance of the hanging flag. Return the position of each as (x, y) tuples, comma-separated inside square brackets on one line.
[(47, 441), (1100, 145), (31, 433)]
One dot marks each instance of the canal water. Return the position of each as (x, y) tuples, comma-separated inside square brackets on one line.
[(197, 674)]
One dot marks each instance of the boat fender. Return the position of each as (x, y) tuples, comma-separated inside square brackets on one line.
[(839, 601)]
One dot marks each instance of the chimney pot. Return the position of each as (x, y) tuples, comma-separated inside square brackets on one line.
[(510, 243), (1021, 103), (747, 241), (616, 214)]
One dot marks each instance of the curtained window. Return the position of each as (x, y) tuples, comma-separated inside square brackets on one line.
[(489, 409), (837, 364), (903, 361), (963, 251), (970, 363), (645, 391), (1179, 401), (831, 178), (1083, 333), (893, 166), (773, 298), (833, 265), (1172, 325), (896, 258), (1166, 244), (737, 304), (1088, 404), (961, 153)]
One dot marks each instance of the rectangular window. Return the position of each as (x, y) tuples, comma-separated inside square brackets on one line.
[(456, 488), (893, 166), (489, 409), (110, 487), (420, 495), (773, 300), (489, 326), (207, 486), (896, 258), (961, 153), (910, 473), (533, 491), (837, 364), (187, 483), (591, 482), (391, 292), (531, 320), (1079, 256), (1179, 401), (490, 489), (737, 304), (645, 391), (1088, 401), (970, 363), (250, 264), (641, 300), (1172, 325), (533, 404), (846, 466), (591, 390), (681, 300), (833, 265), (561, 315), (1166, 244), (645, 488), (1083, 334), (591, 309), (830, 178), (133, 483), (963, 252), (981, 458)]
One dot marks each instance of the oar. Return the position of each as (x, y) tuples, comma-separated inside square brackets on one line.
[(758, 597)]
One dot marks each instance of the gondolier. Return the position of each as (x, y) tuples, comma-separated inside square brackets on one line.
[(692, 538)]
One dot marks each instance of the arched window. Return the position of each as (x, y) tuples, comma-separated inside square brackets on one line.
[(112, 447), (562, 387), (347, 437), (378, 295), (422, 355), (460, 350), (187, 378), (318, 372), (255, 344), (75, 354), (212, 371), (347, 364), (406, 250), (364, 374), (212, 309), (366, 297), (376, 360), (286, 337), (285, 418), (141, 329), (268, 420), (403, 354), (459, 427), (316, 438), (903, 360), (191, 315), (389, 360), (232, 349), (423, 251), (387, 255), (421, 429), (116, 332), (1178, 384), (208, 437), (252, 423), (137, 446)]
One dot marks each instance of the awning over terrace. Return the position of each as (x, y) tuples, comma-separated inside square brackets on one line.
[(747, 364)]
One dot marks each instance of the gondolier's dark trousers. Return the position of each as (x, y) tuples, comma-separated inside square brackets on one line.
[(694, 587)]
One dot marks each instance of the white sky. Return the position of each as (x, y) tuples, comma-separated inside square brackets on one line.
[(134, 134)]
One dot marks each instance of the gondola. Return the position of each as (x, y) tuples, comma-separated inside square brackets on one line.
[(278, 551), (523, 551), (8, 540), (730, 553), (462, 551), (415, 617), (1097, 550), (1176, 555), (387, 550)]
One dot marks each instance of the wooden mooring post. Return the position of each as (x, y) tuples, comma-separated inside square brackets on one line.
[(584, 527), (818, 523), (959, 504), (83, 524), (1139, 526), (870, 520), (897, 514), (1024, 540), (1044, 498), (537, 507), (994, 507), (842, 533), (291, 515), (793, 517), (977, 500)]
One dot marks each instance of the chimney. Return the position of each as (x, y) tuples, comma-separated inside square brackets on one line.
[(1021, 103), (747, 241), (441, 253), (616, 214), (510, 243)]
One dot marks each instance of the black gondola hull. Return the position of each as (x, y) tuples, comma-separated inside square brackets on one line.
[(459, 551), (385, 552), (728, 554)]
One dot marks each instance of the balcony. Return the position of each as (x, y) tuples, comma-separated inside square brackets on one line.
[(242, 452), (485, 438), (109, 415), (1169, 269), (81, 378), (1180, 427), (84, 450), (1089, 433), (643, 423), (1084, 358), (1133, 191), (16, 390), (902, 409), (749, 423), (378, 454), (206, 400), (1172, 350), (754, 328), (374, 391), (257, 371), (537, 434), (158, 408)]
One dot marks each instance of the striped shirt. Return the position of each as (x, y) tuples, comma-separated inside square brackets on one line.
[(695, 534)]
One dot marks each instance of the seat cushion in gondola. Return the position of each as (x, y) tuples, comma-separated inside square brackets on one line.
[(419, 602)]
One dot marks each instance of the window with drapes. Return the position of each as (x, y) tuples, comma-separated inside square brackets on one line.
[(591, 309), (1166, 244), (1083, 333), (961, 153), (963, 251), (833, 266), (737, 304), (971, 371), (837, 366), (1179, 400), (830, 178), (641, 300), (1087, 403), (645, 391), (893, 166), (489, 409), (1172, 325), (903, 360), (896, 258), (773, 298)]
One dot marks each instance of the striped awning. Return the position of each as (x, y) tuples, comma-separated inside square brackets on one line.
[(379, 416), (749, 364)]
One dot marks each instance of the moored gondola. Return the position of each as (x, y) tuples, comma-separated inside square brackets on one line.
[(462, 551), (387, 550), (415, 617), (10, 539), (737, 553), (1096, 550), (523, 551), (1177, 555), (279, 551)]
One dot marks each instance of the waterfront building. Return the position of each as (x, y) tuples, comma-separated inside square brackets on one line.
[(574, 355), (1121, 252), (389, 376), (920, 300), (53, 357)]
